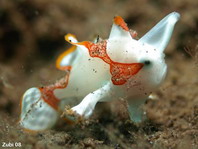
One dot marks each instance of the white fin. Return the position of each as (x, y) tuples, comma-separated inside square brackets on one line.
[(68, 60), (87, 105), (160, 34), (136, 111), (36, 114)]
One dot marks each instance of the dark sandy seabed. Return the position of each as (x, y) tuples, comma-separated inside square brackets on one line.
[(31, 38)]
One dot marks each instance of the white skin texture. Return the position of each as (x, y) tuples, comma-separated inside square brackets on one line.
[(90, 79)]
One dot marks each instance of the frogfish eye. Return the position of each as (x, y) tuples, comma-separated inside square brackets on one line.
[(147, 62)]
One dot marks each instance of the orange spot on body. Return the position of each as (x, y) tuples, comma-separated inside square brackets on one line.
[(48, 92), (49, 98), (121, 72), (120, 22)]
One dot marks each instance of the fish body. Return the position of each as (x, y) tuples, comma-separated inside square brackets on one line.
[(103, 70)]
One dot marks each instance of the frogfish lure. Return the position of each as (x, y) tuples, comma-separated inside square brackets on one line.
[(103, 70)]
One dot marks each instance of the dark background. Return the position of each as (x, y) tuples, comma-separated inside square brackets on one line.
[(32, 36)]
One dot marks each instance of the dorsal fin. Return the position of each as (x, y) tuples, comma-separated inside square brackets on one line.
[(119, 28), (160, 34)]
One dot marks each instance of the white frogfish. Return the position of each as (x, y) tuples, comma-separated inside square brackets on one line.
[(103, 70)]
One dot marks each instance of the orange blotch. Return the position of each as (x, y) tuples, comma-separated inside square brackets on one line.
[(49, 98), (121, 72), (48, 92), (87, 44), (120, 22)]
